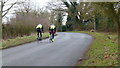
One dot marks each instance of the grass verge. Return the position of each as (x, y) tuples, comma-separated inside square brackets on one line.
[(20, 40), (103, 51)]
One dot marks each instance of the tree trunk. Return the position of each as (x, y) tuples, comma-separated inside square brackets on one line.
[(119, 28), (119, 36), (1, 20), (119, 43)]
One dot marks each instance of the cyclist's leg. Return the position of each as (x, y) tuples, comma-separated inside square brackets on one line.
[(38, 30), (38, 34), (41, 35), (50, 34), (53, 37)]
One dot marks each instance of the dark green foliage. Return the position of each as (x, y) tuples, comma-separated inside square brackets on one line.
[(72, 15), (59, 21), (101, 16), (63, 28)]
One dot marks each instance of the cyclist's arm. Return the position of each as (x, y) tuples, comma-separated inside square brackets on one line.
[(43, 29), (55, 29), (49, 28)]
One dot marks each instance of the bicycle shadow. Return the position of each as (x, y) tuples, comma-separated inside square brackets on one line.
[(43, 42)]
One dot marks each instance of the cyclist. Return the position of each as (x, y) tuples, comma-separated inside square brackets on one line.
[(52, 30), (40, 30)]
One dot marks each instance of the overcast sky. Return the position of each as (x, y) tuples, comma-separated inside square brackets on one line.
[(41, 3)]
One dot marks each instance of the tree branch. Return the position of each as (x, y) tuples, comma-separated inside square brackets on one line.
[(6, 11)]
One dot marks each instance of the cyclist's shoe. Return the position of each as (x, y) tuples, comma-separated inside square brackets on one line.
[(39, 38), (53, 40)]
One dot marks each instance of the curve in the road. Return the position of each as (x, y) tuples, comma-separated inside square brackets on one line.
[(65, 51)]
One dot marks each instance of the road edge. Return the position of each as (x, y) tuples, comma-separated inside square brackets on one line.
[(24, 43)]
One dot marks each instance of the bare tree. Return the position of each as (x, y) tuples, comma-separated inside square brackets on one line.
[(3, 5), (25, 7)]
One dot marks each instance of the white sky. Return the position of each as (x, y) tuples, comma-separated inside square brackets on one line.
[(41, 3)]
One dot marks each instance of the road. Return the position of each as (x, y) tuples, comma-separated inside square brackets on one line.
[(65, 51)]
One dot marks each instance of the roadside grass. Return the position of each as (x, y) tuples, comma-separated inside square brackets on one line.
[(19, 40), (103, 51)]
